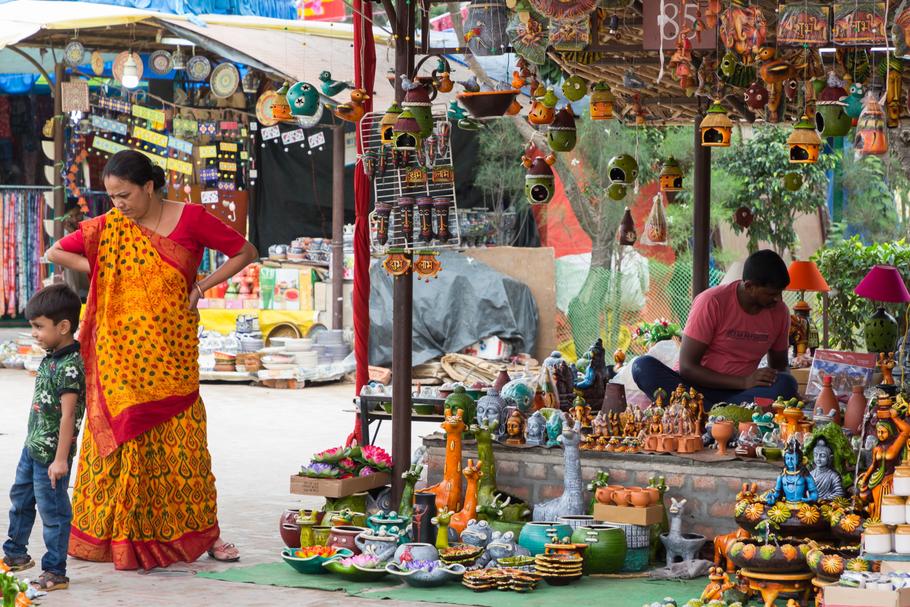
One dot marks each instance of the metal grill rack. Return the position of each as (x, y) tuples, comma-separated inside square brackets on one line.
[(391, 185)]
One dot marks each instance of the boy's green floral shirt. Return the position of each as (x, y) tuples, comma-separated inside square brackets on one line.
[(61, 372)]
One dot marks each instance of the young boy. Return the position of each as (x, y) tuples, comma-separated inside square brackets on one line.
[(42, 476)]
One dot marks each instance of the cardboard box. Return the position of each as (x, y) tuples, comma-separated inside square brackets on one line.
[(629, 514), (335, 487), (841, 596), (322, 297)]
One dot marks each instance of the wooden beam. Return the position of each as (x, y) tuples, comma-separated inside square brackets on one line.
[(701, 212)]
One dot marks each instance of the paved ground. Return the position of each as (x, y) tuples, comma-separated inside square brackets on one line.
[(257, 437)]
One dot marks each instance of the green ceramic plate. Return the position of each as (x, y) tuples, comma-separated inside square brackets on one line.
[(353, 572)]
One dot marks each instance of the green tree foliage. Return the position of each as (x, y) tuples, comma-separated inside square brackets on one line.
[(870, 209)]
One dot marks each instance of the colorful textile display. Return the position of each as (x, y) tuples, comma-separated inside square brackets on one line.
[(22, 214)]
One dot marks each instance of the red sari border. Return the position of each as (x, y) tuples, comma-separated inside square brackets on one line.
[(142, 554)]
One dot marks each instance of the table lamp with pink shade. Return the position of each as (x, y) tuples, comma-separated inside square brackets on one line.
[(882, 284)]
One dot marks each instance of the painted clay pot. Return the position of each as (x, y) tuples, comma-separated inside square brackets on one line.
[(722, 432), (603, 495), (826, 403), (561, 134), (537, 534), (416, 551), (606, 551), (856, 408), (288, 528), (639, 499), (343, 536), (321, 535), (654, 494), (621, 497), (745, 426), (828, 563), (576, 521), (383, 546), (755, 555)]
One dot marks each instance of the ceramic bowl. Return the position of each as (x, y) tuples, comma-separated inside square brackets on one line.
[(354, 573), (487, 104), (313, 564), (438, 575)]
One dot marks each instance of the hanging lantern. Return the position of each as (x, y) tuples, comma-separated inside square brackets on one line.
[(561, 134), (622, 169), (831, 117), (485, 27), (387, 124), (427, 265), (617, 191), (656, 232), (804, 143), (540, 184), (602, 100), (716, 127), (281, 109), (417, 99), (397, 263), (671, 176), (303, 103), (407, 134), (871, 138), (627, 234)]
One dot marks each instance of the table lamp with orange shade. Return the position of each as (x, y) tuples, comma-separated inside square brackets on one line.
[(804, 276)]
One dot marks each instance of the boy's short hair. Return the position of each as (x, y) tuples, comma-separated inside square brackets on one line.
[(57, 302), (766, 269)]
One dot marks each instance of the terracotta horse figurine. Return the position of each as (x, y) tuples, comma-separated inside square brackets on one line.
[(723, 542), (472, 474), (448, 490)]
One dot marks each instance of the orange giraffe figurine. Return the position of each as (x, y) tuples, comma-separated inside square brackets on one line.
[(460, 519), (448, 491)]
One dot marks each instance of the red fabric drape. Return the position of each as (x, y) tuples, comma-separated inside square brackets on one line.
[(364, 77)]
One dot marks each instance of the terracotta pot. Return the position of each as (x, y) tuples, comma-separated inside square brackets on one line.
[(343, 536), (654, 494), (856, 408), (722, 433), (745, 426), (603, 495), (826, 402), (634, 488), (621, 497), (639, 499)]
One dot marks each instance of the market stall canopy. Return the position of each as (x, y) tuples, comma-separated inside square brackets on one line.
[(280, 9)]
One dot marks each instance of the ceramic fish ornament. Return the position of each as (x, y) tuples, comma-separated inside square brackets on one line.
[(333, 87), (353, 110)]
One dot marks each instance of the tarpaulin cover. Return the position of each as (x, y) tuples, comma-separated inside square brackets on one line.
[(467, 302)]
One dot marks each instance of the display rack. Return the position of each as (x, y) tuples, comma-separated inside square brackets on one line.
[(391, 184)]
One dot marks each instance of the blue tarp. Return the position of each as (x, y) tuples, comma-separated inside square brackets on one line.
[(276, 9)]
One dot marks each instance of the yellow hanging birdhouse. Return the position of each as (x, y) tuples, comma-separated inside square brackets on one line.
[(804, 143), (716, 127)]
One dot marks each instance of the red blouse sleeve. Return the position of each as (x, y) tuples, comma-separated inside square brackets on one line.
[(73, 243), (213, 233)]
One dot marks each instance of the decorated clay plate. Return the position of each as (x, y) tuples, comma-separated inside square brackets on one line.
[(74, 53), (160, 62), (264, 109), (120, 61), (224, 80), (198, 68), (97, 63)]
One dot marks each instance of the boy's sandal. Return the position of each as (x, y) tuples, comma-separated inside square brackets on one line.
[(48, 582), (18, 563), (221, 553)]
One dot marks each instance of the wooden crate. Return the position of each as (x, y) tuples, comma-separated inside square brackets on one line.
[(337, 487)]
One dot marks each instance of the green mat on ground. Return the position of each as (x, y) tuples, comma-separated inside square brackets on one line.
[(633, 592)]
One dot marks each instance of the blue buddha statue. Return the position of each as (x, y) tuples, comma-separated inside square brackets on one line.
[(794, 484)]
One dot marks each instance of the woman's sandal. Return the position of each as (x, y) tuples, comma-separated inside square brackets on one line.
[(215, 551), (48, 582)]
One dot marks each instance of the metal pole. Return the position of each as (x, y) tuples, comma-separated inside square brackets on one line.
[(59, 192), (701, 213), (338, 227), (403, 290)]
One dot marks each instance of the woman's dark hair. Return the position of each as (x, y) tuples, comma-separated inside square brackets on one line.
[(56, 302), (766, 269), (134, 167)]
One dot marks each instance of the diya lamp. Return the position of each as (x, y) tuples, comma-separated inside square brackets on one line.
[(382, 212), (671, 176), (716, 127), (627, 234), (601, 102), (543, 109), (442, 206), (406, 206), (871, 138), (407, 134), (387, 124), (425, 216), (561, 134), (540, 183), (804, 143), (574, 88), (831, 117), (622, 169)]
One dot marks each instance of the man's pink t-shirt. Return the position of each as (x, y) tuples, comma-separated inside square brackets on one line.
[(736, 339)]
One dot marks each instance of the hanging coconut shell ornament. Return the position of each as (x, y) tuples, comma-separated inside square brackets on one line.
[(793, 181), (387, 124), (601, 102), (756, 96), (716, 127), (871, 137), (622, 169), (617, 191), (831, 117), (804, 142), (743, 217), (561, 134), (574, 88), (627, 234), (540, 183), (543, 109), (671, 176)]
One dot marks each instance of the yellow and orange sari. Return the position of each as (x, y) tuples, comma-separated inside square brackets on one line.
[(144, 494)]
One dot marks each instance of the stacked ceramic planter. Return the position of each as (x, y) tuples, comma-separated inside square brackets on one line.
[(893, 534), (331, 347)]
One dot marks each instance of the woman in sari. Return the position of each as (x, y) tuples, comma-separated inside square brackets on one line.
[(145, 494)]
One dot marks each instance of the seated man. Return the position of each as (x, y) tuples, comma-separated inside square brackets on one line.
[(730, 328)]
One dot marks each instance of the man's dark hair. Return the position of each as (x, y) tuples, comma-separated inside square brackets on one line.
[(766, 269), (57, 302)]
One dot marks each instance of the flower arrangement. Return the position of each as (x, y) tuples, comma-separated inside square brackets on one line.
[(650, 333), (348, 462)]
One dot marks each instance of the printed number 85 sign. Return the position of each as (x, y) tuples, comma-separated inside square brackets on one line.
[(664, 19)]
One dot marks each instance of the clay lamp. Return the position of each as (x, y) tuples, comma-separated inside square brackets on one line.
[(671, 176), (804, 276), (601, 102), (804, 143), (387, 124), (716, 127), (831, 118), (561, 134)]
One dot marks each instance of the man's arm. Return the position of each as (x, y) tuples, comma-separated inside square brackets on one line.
[(778, 359), (691, 370), (60, 466)]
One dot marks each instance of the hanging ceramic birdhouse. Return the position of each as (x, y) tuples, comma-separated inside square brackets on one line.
[(417, 98), (627, 233), (831, 117), (304, 102), (804, 143), (622, 169), (485, 27), (387, 124), (543, 109), (743, 217), (716, 127), (871, 138), (671, 176), (574, 87), (793, 181), (281, 109), (539, 182), (561, 134), (407, 134), (601, 102), (617, 191)]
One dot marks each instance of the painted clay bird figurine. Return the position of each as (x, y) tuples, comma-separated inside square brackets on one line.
[(353, 110), (470, 85), (333, 87), (854, 100)]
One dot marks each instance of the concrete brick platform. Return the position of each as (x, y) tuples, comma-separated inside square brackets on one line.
[(535, 474)]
